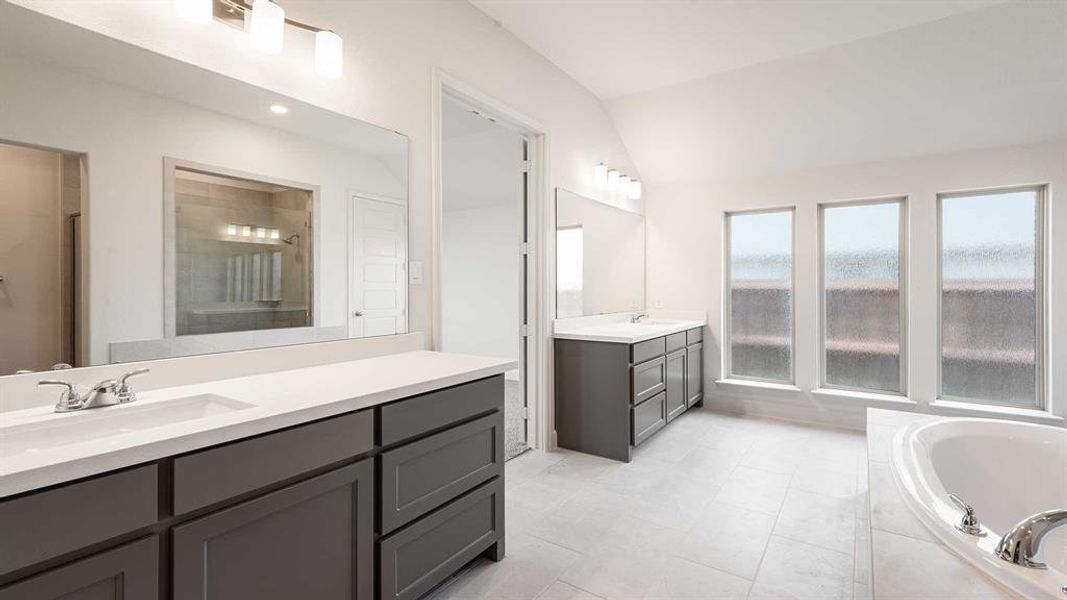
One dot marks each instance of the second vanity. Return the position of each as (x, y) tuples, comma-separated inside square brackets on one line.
[(371, 478), (617, 383)]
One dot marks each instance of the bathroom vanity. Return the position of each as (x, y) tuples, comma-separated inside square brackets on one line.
[(618, 383), (372, 478)]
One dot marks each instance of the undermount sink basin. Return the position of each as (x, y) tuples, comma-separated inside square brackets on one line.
[(100, 423)]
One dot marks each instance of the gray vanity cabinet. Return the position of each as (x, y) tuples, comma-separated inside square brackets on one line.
[(383, 502), (127, 572), (612, 397), (313, 539)]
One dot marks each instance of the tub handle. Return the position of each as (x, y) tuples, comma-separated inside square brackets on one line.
[(969, 524)]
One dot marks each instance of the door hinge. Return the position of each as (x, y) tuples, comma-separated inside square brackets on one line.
[(525, 166), (524, 330), (524, 248), (526, 412)]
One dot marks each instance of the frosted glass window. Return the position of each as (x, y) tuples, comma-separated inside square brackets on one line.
[(862, 317), (990, 297), (570, 259), (760, 263)]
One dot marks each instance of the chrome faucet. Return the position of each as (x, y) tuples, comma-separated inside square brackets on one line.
[(106, 393), (636, 317), (1022, 544)]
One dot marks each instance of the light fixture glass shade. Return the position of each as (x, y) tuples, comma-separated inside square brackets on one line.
[(600, 175), (267, 27), (624, 185), (231, 229), (194, 11), (613, 180), (329, 54), (635, 189)]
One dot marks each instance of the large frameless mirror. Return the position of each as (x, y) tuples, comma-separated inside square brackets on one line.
[(152, 209)]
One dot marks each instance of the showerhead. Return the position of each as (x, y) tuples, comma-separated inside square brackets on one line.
[(292, 239)]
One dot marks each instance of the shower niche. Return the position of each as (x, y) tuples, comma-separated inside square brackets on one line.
[(243, 251)]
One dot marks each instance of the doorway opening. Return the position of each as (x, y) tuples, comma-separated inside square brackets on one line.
[(485, 273), (42, 245)]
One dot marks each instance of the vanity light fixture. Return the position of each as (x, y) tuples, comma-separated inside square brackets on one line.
[(624, 185), (600, 175), (635, 189), (195, 11), (275, 234), (231, 229), (265, 22), (261, 232), (246, 231), (279, 109)]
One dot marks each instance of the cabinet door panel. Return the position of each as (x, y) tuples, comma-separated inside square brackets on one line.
[(127, 572), (694, 374), (676, 397), (313, 539)]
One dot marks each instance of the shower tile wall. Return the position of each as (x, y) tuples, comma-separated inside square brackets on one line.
[(204, 274)]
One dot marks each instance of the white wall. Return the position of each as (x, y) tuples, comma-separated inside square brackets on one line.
[(126, 133), (481, 227), (685, 223), (391, 50)]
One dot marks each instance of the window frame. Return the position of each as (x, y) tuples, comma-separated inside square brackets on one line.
[(902, 258), (727, 366), (1040, 290)]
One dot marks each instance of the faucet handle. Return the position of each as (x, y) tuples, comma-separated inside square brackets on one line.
[(125, 392), (71, 399), (969, 524)]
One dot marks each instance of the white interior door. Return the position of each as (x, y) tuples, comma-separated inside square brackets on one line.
[(377, 300)]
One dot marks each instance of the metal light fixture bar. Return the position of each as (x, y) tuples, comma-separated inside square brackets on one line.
[(243, 6)]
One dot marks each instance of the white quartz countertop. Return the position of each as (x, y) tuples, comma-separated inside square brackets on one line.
[(626, 332), (279, 399)]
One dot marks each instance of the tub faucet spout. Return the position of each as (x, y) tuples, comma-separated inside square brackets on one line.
[(1022, 544)]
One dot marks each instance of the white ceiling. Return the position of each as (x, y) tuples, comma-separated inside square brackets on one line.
[(616, 48), (789, 85)]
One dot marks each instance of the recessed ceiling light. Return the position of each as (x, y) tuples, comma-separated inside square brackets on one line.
[(278, 109)]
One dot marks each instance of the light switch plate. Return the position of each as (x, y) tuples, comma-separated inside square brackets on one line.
[(415, 272)]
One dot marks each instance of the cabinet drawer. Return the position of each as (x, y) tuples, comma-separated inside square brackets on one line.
[(313, 539), (675, 341), (642, 351), (47, 524), (408, 418), (209, 476), (648, 418), (648, 379), (694, 335), (130, 571), (420, 476), (422, 555)]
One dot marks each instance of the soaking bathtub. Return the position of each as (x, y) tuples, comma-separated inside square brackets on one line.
[(1006, 471)]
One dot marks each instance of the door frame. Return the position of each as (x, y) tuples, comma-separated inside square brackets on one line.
[(539, 211)]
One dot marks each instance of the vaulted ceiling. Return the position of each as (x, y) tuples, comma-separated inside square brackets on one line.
[(711, 90)]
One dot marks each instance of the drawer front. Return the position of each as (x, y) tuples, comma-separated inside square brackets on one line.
[(648, 379), (130, 571), (415, 416), (675, 398), (209, 476), (648, 349), (675, 341), (422, 555), (648, 418), (47, 524), (694, 335), (420, 476)]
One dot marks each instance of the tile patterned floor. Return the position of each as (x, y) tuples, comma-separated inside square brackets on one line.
[(714, 506)]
